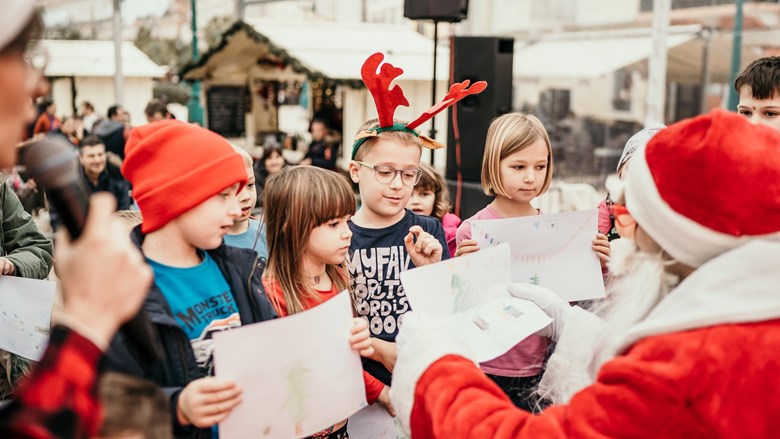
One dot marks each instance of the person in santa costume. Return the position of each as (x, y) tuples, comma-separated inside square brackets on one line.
[(686, 349)]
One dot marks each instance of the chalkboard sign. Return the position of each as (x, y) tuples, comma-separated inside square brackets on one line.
[(226, 108)]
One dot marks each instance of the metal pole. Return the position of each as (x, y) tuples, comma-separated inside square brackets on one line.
[(705, 69), (432, 133), (656, 78), (119, 88), (238, 14), (194, 107), (736, 57)]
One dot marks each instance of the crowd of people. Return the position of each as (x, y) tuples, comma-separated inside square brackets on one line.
[(688, 239)]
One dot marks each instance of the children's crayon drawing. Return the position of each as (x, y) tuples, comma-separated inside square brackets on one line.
[(298, 374), (550, 250), (471, 291), (373, 422), (25, 315)]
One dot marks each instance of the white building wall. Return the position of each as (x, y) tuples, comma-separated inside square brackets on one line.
[(100, 91)]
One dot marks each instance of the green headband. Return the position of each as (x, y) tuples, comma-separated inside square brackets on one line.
[(393, 127)]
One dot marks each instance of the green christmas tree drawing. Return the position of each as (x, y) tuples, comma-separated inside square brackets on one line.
[(535, 280), (296, 400), (465, 294)]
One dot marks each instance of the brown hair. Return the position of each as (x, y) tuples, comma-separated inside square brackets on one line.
[(507, 135), (762, 76), (395, 136), (296, 200), (430, 180), (133, 405)]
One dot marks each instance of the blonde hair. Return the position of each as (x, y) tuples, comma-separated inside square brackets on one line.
[(296, 200), (131, 218), (244, 155), (133, 405), (430, 180), (402, 137), (507, 135)]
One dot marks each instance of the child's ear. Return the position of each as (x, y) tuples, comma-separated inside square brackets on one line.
[(353, 171)]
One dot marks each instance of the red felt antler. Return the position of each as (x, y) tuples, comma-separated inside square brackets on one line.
[(386, 99), (457, 92)]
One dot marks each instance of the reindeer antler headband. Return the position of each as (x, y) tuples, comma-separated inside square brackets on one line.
[(388, 99)]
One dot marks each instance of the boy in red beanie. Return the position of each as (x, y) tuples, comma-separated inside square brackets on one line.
[(186, 180)]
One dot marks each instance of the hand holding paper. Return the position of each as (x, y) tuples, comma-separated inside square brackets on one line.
[(555, 307)]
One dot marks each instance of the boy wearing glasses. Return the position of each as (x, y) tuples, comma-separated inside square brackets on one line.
[(387, 238)]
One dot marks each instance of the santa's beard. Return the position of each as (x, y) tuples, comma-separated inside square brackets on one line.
[(639, 283)]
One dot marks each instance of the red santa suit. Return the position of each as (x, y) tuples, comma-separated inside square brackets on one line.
[(702, 364)]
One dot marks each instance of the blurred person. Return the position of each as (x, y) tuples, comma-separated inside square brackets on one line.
[(156, 110), (114, 131), (47, 121), (89, 116), (759, 91), (72, 129), (324, 148), (271, 162), (132, 409), (92, 156), (59, 399)]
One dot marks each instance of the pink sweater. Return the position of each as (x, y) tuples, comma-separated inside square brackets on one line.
[(526, 358), (450, 222)]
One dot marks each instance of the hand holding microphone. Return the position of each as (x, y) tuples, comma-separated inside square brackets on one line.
[(103, 276)]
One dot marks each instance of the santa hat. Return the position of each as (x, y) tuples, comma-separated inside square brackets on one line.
[(707, 185), (16, 14), (175, 166)]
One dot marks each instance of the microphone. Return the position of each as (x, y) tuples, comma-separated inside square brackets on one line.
[(53, 163)]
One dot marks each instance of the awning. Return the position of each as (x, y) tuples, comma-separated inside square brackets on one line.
[(585, 58), (96, 58), (576, 57), (334, 51)]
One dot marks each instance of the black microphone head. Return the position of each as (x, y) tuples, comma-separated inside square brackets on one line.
[(52, 162)]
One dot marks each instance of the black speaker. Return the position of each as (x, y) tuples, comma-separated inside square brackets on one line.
[(472, 198), (477, 59), (438, 10)]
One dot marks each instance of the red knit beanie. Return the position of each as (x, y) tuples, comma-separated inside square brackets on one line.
[(707, 185), (175, 166)]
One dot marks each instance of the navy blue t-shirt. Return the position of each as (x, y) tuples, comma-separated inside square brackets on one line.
[(375, 262)]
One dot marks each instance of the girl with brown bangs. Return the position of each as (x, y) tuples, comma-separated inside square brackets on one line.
[(431, 197), (307, 210)]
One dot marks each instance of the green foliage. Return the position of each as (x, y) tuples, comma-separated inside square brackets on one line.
[(212, 33), (172, 93), (63, 32), (163, 51)]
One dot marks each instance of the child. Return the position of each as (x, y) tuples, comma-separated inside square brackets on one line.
[(247, 232), (516, 168), (759, 91), (388, 239), (307, 213), (185, 179), (132, 408), (431, 198)]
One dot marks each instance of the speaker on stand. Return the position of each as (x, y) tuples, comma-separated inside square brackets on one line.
[(476, 59)]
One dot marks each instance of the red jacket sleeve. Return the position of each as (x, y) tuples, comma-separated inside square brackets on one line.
[(373, 387), (453, 399), (60, 398)]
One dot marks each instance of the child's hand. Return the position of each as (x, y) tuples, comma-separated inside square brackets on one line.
[(602, 248), (361, 338), (205, 402), (384, 399), (384, 352), (423, 248), (466, 246)]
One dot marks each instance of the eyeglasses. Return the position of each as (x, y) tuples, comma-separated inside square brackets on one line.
[(623, 216), (37, 58), (386, 174)]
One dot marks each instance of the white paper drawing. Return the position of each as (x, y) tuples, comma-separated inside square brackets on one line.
[(551, 250), (298, 374), (471, 291), (373, 422), (25, 315)]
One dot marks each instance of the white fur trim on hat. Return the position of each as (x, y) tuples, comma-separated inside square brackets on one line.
[(684, 239), (15, 15)]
